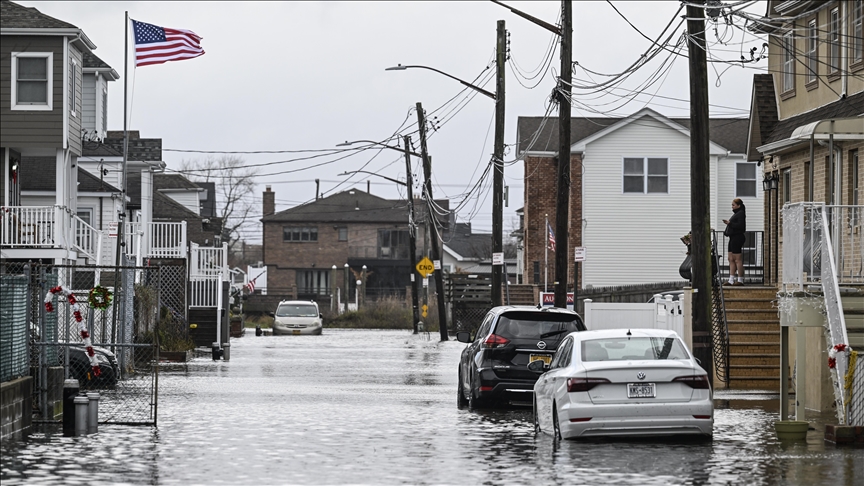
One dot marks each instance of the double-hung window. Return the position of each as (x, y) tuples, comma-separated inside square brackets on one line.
[(834, 43), (32, 81), (812, 52), (646, 175), (857, 44), (788, 62), (72, 84), (745, 179)]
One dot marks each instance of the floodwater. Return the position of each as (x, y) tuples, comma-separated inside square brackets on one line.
[(379, 407)]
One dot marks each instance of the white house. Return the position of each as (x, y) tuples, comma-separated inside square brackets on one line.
[(630, 193)]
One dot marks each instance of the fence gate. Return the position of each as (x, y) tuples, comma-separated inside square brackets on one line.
[(144, 310), (470, 299)]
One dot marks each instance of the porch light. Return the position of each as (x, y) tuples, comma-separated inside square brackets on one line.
[(769, 183)]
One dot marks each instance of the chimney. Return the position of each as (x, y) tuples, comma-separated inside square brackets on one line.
[(269, 202)]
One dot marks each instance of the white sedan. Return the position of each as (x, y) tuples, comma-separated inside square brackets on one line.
[(625, 383)]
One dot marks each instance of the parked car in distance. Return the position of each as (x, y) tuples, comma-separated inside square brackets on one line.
[(297, 317), (624, 383), (493, 369), (675, 294), (81, 370)]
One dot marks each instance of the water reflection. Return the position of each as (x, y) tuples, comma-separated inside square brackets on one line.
[(379, 407)]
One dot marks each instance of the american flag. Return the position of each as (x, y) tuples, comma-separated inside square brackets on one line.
[(551, 237), (251, 285), (155, 45)]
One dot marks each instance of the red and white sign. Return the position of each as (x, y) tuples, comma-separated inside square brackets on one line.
[(548, 298), (579, 254), (112, 229)]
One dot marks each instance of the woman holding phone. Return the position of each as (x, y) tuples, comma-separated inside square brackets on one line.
[(736, 227)]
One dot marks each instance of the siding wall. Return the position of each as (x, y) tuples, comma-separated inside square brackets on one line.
[(188, 199), (722, 207), (89, 102), (75, 121), (634, 238), (31, 129)]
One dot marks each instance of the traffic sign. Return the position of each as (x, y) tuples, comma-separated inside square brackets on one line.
[(579, 254), (425, 308), (425, 267)]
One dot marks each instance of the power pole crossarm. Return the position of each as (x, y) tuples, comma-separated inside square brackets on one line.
[(546, 25)]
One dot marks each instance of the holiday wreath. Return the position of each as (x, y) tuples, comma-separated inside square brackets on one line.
[(100, 297)]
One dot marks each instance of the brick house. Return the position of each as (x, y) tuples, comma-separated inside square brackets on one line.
[(629, 221), (302, 244)]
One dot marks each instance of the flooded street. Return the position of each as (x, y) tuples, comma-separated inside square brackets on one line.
[(379, 407)]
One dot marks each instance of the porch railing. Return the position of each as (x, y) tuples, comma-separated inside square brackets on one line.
[(88, 240), (753, 256), (30, 226), (167, 240)]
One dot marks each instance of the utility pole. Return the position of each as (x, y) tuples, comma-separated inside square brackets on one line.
[(700, 189), (412, 233), (562, 213), (498, 166), (436, 242)]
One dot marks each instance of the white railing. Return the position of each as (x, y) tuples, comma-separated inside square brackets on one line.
[(661, 314), (204, 291), (802, 244), (87, 239), (207, 270), (30, 226), (167, 240)]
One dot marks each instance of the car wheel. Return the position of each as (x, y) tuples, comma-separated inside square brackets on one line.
[(461, 401), (536, 419), (555, 425), (474, 402)]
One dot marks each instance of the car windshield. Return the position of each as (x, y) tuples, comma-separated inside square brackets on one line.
[(536, 325), (297, 310), (645, 348)]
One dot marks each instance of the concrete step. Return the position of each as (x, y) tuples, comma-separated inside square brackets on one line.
[(755, 383), (746, 359), (757, 337), (749, 347), (754, 326)]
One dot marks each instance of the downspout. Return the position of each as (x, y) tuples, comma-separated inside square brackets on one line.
[(844, 52)]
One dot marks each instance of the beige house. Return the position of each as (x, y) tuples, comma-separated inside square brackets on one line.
[(807, 131)]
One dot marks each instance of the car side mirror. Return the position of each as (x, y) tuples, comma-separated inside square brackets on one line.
[(538, 366), (320, 316), (272, 314), (463, 336)]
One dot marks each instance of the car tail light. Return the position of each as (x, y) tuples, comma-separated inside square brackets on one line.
[(495, 341), (486, 388), (584, 384), (699, 382)]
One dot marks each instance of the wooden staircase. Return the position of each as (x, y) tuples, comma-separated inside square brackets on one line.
[(521, 294), (754, 337)]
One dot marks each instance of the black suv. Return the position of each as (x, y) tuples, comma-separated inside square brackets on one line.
[(494, 370)]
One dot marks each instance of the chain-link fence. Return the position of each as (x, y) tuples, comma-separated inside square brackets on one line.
[(855, 390), (145, 307)]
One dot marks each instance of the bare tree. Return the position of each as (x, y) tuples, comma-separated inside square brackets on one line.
[(235, 189)]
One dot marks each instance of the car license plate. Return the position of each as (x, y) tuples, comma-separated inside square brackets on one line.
[(641, 390), (296, 331), (545, 358)]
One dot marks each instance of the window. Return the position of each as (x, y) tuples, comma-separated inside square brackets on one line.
[(393, 244), (562, 355), (298, 233), (313, 282), (745, 179), (787, 186), (32, 87), (343, 234), (646, 175), (104, 111), (788, 62), (856, 173), (71, 83), (812, 52), (808, 182), (86, 215), (830, 168), (834, 43), (857, 55), (642, 348)]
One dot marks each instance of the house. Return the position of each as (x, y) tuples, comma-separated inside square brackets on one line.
[(630, 194), (176, 199), (807, 129), (468, 252), (41, 115), (303, 244)]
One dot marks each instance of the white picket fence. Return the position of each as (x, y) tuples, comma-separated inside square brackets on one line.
[(661, 314)]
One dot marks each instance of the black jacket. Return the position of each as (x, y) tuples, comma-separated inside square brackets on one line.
[(737, 223)]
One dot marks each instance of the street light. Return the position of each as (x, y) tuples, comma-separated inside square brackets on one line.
[(498, 155), (412, 232), (347, 143), (400, 67)]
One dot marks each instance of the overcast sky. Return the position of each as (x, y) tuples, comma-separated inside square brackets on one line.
[(308, 75)]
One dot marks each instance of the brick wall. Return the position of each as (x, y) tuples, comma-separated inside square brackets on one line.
[(541, 175)]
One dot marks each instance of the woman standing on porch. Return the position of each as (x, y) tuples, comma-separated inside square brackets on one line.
[(736, 228)]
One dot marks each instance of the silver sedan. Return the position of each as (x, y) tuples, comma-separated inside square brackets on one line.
[(622, 382)]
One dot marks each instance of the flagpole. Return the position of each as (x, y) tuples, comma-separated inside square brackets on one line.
[(546, 258)]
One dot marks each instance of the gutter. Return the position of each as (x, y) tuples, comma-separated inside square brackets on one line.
[(67, 32)]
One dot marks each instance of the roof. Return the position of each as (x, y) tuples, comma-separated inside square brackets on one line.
[(40, 174), (93, 63), (352, 206), (166, 208), (729, 133), (472, 246), (14, 16), (850, 107), (173, 181), (485, 268), (763, 114), (140, 149)]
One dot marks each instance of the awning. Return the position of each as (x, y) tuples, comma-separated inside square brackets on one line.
[(841, 129)]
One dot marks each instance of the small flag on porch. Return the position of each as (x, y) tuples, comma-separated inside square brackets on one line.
[(251, 285), (551, 237), (155, 45)]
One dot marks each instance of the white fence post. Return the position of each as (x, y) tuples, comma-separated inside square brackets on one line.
[(587, 303)]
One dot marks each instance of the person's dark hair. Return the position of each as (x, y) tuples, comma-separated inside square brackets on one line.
[(738, 201)]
